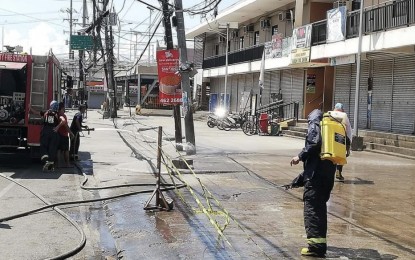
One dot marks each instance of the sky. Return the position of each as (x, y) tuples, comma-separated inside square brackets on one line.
[(44, 24)]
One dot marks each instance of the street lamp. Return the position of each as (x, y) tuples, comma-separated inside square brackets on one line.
[(227, 26)]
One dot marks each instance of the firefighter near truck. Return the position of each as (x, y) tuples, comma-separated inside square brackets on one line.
[(26, 80)]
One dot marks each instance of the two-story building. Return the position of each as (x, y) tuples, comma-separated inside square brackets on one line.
[(310, 51)]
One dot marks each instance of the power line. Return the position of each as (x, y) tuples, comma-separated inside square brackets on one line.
[(30, 17)]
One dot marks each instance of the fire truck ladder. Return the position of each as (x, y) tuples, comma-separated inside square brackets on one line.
[(39, 91)]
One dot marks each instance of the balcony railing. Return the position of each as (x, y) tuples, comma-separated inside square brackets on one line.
[(382, 17), (244, 55)]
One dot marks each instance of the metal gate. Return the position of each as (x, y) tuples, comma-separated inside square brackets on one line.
[(382, 94), (403, 97)]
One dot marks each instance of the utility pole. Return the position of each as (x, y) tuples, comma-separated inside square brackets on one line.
[(188, 115), (110, 64), (169, 43), (70, 30), (81, 81)]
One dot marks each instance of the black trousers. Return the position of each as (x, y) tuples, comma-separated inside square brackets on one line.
[(75, 142), (49, 141), (316, 194)]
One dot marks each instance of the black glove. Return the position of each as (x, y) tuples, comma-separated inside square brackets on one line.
[(287, 186)]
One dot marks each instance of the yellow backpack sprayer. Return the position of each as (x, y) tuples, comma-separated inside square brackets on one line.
[(333, 134)]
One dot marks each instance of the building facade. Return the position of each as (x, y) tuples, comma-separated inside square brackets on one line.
[(310, 49)]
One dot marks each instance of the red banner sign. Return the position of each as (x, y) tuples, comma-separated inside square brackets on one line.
[(170, 92), (13, 57)]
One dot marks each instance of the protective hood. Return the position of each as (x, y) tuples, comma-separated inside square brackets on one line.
[(315, 116)]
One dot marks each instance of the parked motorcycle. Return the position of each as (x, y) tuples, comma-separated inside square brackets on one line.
[(232, 121), (212, 121)]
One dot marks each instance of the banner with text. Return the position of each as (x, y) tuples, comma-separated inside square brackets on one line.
[(336, 24), (301, 41), (170, 92)]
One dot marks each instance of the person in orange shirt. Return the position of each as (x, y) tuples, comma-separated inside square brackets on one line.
[(64, 133)]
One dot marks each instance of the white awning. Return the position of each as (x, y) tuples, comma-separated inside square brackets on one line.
[(11, 65)]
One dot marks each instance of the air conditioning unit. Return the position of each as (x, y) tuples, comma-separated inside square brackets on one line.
[(285, 16), (248, 28), (235, 34), (266, 23), (346, 3)]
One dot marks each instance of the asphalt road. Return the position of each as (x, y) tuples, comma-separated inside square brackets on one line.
[(240, 211)]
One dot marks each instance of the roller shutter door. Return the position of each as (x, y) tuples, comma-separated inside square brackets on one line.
[(382, 94), (95, 100), (233, 82), (298, 89), (275, 82), (215, 85), (364, 75), (403, 107), (286, 84), (343, 84), (266, 93)]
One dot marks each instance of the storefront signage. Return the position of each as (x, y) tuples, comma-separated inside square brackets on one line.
[(336, 24), (348, 59), (311, 84), (13, 57), (301, 44), (170, 92)]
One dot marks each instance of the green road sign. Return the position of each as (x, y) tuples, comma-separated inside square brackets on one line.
[(82, 42)]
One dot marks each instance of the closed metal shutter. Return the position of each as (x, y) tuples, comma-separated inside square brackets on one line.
[(403, 107), (95, 99), (215, 85), (364, 75), (233, 82), (253, 81), (298, 89), (242, 83), (286, 86), (342, 87), (275, 82), (267, 88), (382, 94)]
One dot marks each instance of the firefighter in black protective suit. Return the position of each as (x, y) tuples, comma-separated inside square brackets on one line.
[(318, 180), (49, 137)]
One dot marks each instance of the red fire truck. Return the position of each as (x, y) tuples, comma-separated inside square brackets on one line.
[(24, 80)]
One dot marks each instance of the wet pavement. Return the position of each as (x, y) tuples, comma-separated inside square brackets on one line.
[(371, 214)]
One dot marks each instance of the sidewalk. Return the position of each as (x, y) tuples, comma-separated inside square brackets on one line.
[(368, 214)]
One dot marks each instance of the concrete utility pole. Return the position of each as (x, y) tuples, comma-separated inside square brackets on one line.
[(110, 65), (81, 81), (70, 30), (169, 43), (188, 115)]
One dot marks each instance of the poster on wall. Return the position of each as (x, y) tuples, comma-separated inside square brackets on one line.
[(311, 84), (286, 47), (336, 24), (273, 49), (301, 44), (170, 92)]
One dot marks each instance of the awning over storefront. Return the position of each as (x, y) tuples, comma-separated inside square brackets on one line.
[(11, 65)]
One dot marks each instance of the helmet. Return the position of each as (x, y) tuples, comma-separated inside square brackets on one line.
[(54, 105)]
